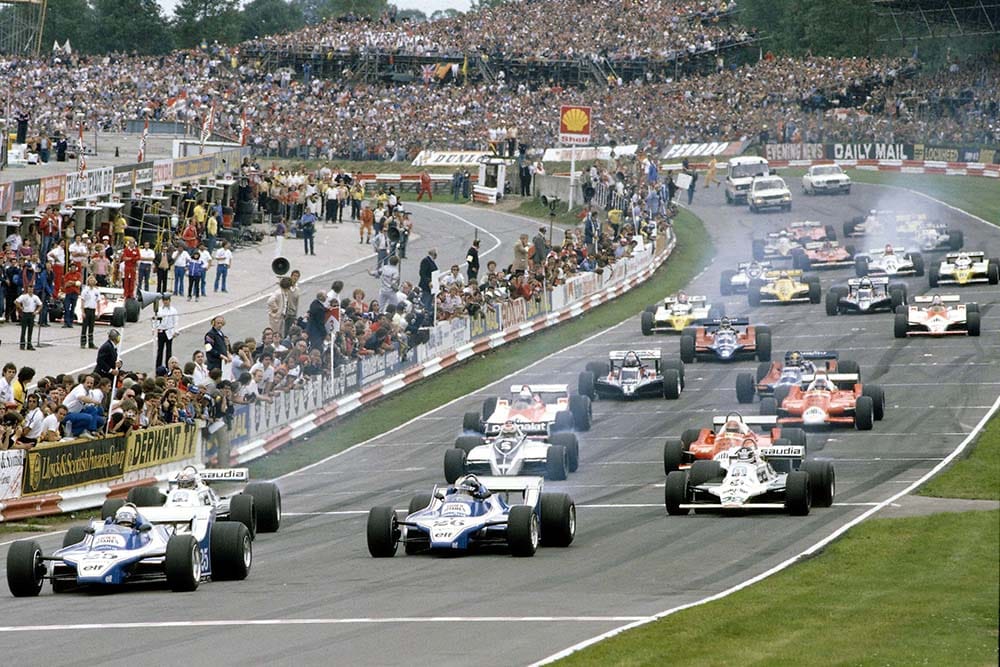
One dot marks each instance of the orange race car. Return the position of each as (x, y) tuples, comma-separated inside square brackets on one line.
[(726, 339), (728, 432), (830, 399)]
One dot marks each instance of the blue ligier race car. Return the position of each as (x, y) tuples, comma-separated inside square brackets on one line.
[(159, 544), (476, 512)]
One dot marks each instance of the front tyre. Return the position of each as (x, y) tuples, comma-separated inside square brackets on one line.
[(523, 531), (25, 569), (182, 563), (382, 532)]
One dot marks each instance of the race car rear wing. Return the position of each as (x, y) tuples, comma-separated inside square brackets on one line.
[(746, 265), (735, 321), (225, 475), (790, 273), (813, 354), (880, 252), (804, 224), (975, 256), (172, 514), (670, 300), (821, 245), (875, 280), (520, 483), (719, 420), (944, 298), (644, 355), (786, 452), (540, 388)]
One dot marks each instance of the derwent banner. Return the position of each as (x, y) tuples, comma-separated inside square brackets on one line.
[(67, 464), (156, 445)]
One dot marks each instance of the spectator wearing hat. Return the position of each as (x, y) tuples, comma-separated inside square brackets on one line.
[(165, 322)]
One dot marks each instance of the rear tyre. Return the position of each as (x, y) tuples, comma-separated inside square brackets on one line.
[(687, 349), (563, 421), (796, 437), (675, 365), (972, 322), (146, 496), (758, 249), (182, 563), (454, 464), (383, 532), (763, 346), (675, 493), (849, 367), (705, 471), (993, 272), (74, 535), (690, 435), (768, 407), (118, 317), (833, 297), (671, 384), (646, 323), (241, 509), (745, 388), (822, 482), (780, 394), (579, 406), (861, 266), (763, 369), (933, 275), (25, 569), (831, 233), (876, 393), (132, 309), (468, 442), (585, 384), (558, 522), (600, 369), (815, 294), (797, 500), (753, 293), (673, 455), (572, 445), (956, 239), (901, 325), (556, 463), (523, 531), (918, 263), (231, 548), (472, 422), (109, 507), (800, 260), (864, 413), (266, 505)]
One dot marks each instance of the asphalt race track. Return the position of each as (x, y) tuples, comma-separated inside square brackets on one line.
[(321, 599)]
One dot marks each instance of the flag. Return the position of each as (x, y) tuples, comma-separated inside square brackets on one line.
[(465, 69), (244, 128), (427, 72), (81, 159), (206, 127), (177, 103), (142, 141)]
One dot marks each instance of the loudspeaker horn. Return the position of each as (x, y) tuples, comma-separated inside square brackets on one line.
[(149, 298), (280, 266)]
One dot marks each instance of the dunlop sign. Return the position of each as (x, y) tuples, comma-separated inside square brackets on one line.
[(160, 444), (63, 465)]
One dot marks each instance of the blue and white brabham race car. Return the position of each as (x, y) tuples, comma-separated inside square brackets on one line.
[(257, 505), (513, 452), (476, 512), (183, 548)]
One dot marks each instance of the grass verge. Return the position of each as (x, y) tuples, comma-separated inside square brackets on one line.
[(919, 590), (977, 476), (691, 254)]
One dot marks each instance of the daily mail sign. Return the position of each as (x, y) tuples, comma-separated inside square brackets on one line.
[(574, 125)]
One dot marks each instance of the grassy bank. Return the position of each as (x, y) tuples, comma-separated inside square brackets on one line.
[(915, 591), (691, 255), (977, 476)]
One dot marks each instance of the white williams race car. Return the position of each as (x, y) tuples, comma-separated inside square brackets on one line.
[(736, 281), (826, 178), (677, 312), (936, 315), (889, 261), (257, 505), (965, 268), (769, 192), (513, 452), (743, 478)]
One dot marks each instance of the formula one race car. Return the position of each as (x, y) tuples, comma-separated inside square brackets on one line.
[(677, 312), (537, 409), (930, 236), (797, 370), (732, 282), (180, 546), (826, 178), (965, 268), (784, 287), (726, 432), (746, 477), (726, 340), (809, 231), (889, 261), (112, 308), (777, 246), (830, 399), (865, 295), (512, 452), (257, 505), (510, 512), (936, 315), (769, 192), (822, 255), (626, 376)]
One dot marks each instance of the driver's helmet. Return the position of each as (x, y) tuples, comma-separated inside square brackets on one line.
[(888, 248), (794, 359), (754, 266), (963, 260), (747, 450), (508, 430), (525, 393), (682, 297), (783, 274), (127, 516), (469, 484), (725, 323), (865, 283), (936, 300), (187, 478), (631, 360), (821, 383), (733, 425)]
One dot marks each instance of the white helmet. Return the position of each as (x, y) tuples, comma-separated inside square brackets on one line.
[(127, 516)]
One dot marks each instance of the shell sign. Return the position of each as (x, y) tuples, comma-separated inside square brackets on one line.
[(574, 125)]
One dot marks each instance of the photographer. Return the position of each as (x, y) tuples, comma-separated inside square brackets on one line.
[(126, 420)]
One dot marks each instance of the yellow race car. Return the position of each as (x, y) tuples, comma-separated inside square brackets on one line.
[(784, 287)]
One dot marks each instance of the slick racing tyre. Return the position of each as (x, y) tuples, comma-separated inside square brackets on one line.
[(523, 531), (746, 388), (241, 509), (797, 498), (580, 408), (673, 455), (25, 569), (572, 445), (675, 493), (267, 505), (556, 463), (231, 549), (146, 496), (182, 563), (822, 482), (472, 423), (382, 532), (468, 442), (558, 523), (454, 464)]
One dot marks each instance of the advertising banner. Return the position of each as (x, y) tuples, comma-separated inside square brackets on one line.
[(574, 125), (11, 469), (286, 407), (163, 172), (794, 152), (710, 149), (869, 152), (53, 190), (64, 465), (190, 168), (26, 194), (444, 337), (90, 183), (949, 154), (427, 158), (124, 178), (589, 153), (6, 197), (488, 323), (157, 445)]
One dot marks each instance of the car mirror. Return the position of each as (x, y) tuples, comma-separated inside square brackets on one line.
[(439, 494), (145, 528), (89, 530)]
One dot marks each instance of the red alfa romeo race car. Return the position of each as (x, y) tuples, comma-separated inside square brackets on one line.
[(727, 432), (830, 399), (822, 255)]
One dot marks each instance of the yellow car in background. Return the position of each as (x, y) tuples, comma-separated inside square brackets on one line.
[(784, 287)]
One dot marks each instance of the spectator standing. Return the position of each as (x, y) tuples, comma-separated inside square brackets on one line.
[(107, 355), (521, 253), (72, 283), (307, 227), (89, 297), (472, 261), (428, 265), (316, 321), (388, 281), (216, 344), (162, 261), (165, 323), (146, 258), (181, 259), (27, 305), (277, 304), (223, 260)]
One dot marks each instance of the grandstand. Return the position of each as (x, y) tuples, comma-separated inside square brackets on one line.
[(939, 19)]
